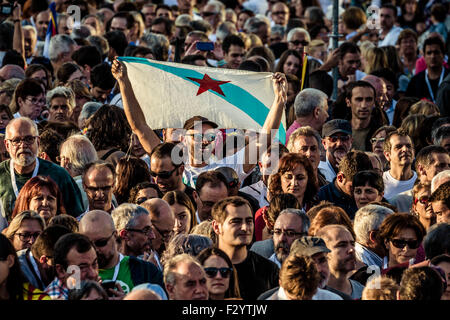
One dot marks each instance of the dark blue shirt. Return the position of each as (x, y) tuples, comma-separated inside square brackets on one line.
[(331, 193)]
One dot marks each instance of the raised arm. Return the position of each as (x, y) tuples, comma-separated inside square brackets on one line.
[(272, 122), (133, 111), (18, 41)]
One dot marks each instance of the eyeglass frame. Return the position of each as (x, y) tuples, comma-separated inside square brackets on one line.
[(142, 231), (281, 232), (166, 174), (405, 242), (30, 235), (221, 271), (16, 143), (104, 239), (163, 234)]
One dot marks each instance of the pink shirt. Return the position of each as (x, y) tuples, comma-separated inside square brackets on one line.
[(294, 126)]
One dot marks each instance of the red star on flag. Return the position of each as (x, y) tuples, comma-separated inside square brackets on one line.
[(209, 84)]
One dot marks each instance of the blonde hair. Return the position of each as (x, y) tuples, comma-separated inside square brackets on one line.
[(380, 288), (17, 222), (376, 59), (424, 107)]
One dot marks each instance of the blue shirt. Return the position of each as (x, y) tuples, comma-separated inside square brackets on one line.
[(331, 193)]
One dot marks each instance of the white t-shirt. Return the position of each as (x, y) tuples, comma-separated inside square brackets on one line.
[(393, 186), (235, 162), (257, 190)]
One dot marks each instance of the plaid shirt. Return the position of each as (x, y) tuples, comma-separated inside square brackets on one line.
[(57, 290)]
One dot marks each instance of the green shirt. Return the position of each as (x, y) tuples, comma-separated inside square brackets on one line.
[(123, 277), (69, 189)]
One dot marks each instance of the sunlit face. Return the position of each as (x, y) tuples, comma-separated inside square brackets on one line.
[(422, 206), (27, 233), (401, 255), (45, 203), (295, 181), (182, 218), (365, 194), (190, 283), (308, 147), (291, 65), (402, 151), (237, 229), (217, 285), (442, 212)]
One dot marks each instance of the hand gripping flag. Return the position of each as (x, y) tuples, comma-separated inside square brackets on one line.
[(170, 93)]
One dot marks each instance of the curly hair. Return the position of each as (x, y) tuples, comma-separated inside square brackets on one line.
[(277, 204), (140, 186), (130, 171), (108, 128), (288, 163)]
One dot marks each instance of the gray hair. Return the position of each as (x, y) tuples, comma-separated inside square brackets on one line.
[(440, 134), (22, 119), (62, 92), (291, 33), (89, 108), (191, 244), (158, 43), (308, 100), (59, 44), (170, 277), (439, 179), (225, 29), (369, 218), (219, 8), (80, 151), (306, 223), (125, 215), (277, 29), (254, 23), (100, 43), (305, 131)]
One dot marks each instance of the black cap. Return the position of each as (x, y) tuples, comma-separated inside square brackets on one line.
[(189, 124), (309, 246), (230, 175), (336, 125)]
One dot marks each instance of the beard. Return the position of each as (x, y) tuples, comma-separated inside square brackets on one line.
[(25, 159), (103, 260), (282, 251)]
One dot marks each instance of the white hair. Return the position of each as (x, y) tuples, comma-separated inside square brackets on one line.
[(308, 100), (59, 44), (62, 92), (369, 218), (439, 179), (298, 30), (219, 8), (125, 215), (301, 214), (80, 151)]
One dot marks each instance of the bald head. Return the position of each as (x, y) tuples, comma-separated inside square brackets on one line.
[(19, 124), (11, 71), (158, 208), (96, 219), (380, 88), (332, 231), (142, 294)]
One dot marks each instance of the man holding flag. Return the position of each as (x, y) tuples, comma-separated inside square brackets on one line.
[(200, 135)]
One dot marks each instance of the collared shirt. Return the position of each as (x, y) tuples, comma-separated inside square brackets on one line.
[(294, 126), (257, 190), (57, 290), (367, 256), (331, 193), (390, 111), (327, 170), (275, 260)]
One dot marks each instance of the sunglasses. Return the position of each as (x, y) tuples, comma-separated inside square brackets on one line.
[(297, 42), (375, 140), (422, 200), (336, 138), (163, 174), (212, 272), (233, 183), (100, 243), (400, 244)]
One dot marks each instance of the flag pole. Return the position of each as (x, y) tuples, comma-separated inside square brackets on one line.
[(335, 37)]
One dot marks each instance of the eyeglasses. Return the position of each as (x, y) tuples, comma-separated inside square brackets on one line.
[(63, 107), (36, 101), (210, 137), (142, 200), (212, 272), (297, 42), (95, 189), (288, 233), (208, 204), (400, 244), (163, 174), (279, 12), (145, 231), (375, 140), (100, 243), (207, 14), (336, 138), (24, 237), (423, 200), (164, 234), (28, 140)]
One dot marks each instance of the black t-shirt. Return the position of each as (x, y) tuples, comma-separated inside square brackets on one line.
[(256, 275)]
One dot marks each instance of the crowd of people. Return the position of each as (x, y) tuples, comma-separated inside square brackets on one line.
[(354, 204)]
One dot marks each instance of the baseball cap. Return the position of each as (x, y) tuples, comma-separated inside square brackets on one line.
[(230, 175), (308, 246), (189, 124), (336, 125)]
